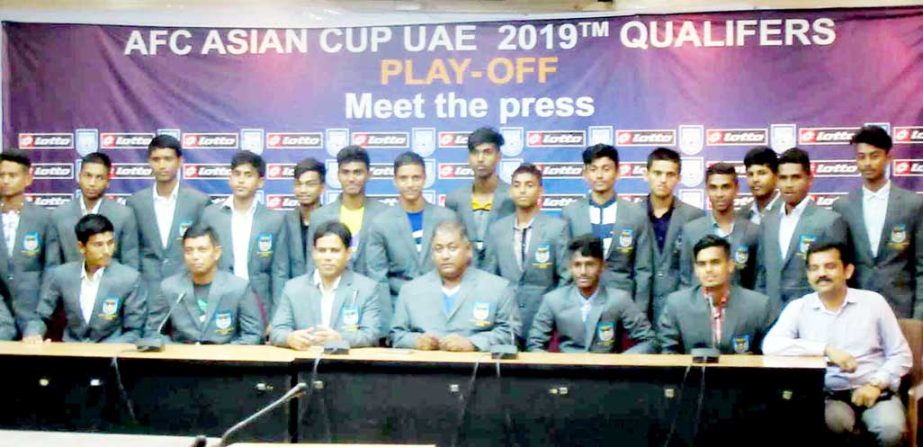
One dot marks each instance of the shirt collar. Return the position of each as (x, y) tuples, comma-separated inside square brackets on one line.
[(319, 283), (229, 204), (171, 198), (769, 206), (95, 210), (528, 225), (881, 194), (96, 275), (601, 205), (715, 226), (815, 303), (799, 209)]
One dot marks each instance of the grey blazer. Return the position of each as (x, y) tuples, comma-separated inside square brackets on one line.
[(119, 313), (331, 211), (667, 261), (232, 316), (897, 271), (784, 279), (297, 262), (7, 325), (459, 201), (686, 322), (65, 217), (267, 266), (34, 251), (630, 259), (484, 312), (355, 314), (546, 265), (744, 240), (612, 313)]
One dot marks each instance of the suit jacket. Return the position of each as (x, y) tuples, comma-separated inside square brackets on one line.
[(65, 218), (784, 279), (896, 272), (7, 324), (484, 312), (667, 261), (629, 260), (119, 313), (297, 258), (331, 211), (268, 253), (232, 316), (35, 250), (546, 265), (355, 314), (612, 312), (459, 201), (158, 262), (744, 240)]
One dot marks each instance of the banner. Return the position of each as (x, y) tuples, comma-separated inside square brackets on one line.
[(710, 86)]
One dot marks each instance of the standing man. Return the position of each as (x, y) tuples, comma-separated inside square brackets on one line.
[(308, 188), (741, 234), (164, 212), (487, 198), (528, 248), (857, 332), (621, 225), (885, 228), (667, 215), (762, 166), (93, 180), (29, 244)]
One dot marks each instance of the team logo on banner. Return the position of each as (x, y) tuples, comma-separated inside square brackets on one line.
[(278, 171), (52, 171), (693, 171), (826, 135), (834, 168), (455, 171), (600, 135), (480, 312), (507, 167), (908, 168), (281, 202), (429, 167), (336, 140), (251, 140), (210, 141), (646, 137), (512, 141), (454, 139), (331, 178), (46, 141), (908, 135), (87, 140), (128, 140), (205, 171), (737, 137), (424, 140), (691, 139), (694, 197), (49, 200), (31, 243), (110, 308), (555, 138), (557, 202), (131, 171), (223, 321), (381, 140), (175, 133), (783, 137), (294, 140)]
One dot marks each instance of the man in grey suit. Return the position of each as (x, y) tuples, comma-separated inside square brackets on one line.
[(164, 212), (455, 307), (28, 246), (667, 215), (7, 324), (715, 313), (762, 165), (93, 179), (331, 303), (528, 248), (103, 301), (588, 316), (621, 225), (786, 236), (217, 307), (309, 185), (399, 239), (885, 228), (743, 235), (252, 236), (353, 208), (487, 198)]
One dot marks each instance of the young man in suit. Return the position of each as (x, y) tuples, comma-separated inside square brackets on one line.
[(252, 236), (786, 236), (885, 228), (217, 307), (164, 212), (93, 179), (103, 300), (667, 215), (331, 303), (762, 164), (715, 313), (309, 186), (528, 248), (399, 240), (743, 235), (487, 198), (587, 315), (621, 225), (455, 307), (29, 244)]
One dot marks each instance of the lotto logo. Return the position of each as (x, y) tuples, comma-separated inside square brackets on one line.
[(561, 170), (211, 141), (552, 202), (206, 171), (132, 140), (281, 202), (826, 135), (908, 168), (908, 135), (42, 171), (834, 168), (826, 199), (49, 200), (453, 139), (653, 137), (381, 140), (556, 138), (294, 140), (278, 171), (737, 137), (131, 171), (46, 141), (455, 171), (632, 169)]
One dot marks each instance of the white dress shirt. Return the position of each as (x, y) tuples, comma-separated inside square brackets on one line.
[(89, 287), (10, 225), (95, 210), (788, 223), (164, 209), (874, 211), (327, 296), (241, 226)]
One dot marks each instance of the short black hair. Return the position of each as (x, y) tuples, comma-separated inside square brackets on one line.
[(334, 227), (249, 158), (762, 156), (90, 225), (485, 135), (165, 142), (585, 245), (98, 158), (408, 158), (825, 246), (873, 136), (796, 156), (600, 150), (353, 153), (709, 241), (16, 156), (664, 154), (528, 168), (200, 229), (310, 165), (721, 168)]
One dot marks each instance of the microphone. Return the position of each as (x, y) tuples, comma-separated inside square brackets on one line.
[(154, 343), (296, 391)]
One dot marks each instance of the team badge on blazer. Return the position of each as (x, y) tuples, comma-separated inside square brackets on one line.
[(626, 239), (31, 243), (542, 256), (350, 318), (110, 308), (741, 256), (183, 226), (264, 244), (605, 332), (223, 322), (742, 344), (898, 238), (804, 244), (480, 312)]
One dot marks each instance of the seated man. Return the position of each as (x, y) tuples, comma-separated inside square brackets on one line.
[(330, 303), (587, 314), (217, 307), (455, 307), (104, 301), (715, 313), (7, 324), (858, 333)]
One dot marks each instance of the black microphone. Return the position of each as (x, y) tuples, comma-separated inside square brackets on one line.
[(154, 343), (296, 391)]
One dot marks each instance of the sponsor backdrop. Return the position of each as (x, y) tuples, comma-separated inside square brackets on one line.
[(709, 85)]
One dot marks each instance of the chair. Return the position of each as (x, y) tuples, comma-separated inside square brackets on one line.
[(913, 383)]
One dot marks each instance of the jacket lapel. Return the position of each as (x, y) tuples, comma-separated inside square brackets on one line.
[(467, 284), (890, 216), (536, 237), (592, 318), (101, 293), (343, 293), (793, 244), (214, 301), (189, 302)]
